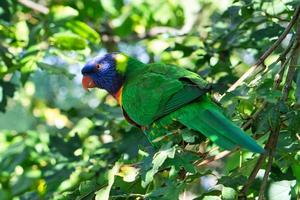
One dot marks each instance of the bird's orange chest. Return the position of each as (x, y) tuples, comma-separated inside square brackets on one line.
[(118, 96)]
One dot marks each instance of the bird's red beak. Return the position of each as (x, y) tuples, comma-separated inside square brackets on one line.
[(87, 82)]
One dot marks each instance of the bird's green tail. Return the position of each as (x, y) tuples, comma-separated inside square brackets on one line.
[(205, 117)]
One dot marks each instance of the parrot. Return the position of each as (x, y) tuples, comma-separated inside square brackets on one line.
[(168, 103)]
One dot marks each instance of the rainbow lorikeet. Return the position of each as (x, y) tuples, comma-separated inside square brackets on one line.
[(167, 102)]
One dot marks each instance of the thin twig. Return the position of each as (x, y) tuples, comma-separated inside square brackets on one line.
[(253, 174), (293, 64), (267, 53), (255, 170), (35, 6), (216, 157), (273, 138), (275, 134), (277, 81), (128, 196), (270, 144), (254, 116)]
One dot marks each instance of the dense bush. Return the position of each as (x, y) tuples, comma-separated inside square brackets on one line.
[(59, 142)]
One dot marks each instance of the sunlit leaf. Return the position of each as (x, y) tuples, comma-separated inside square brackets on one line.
[(103, 194), (84, 31), (60, 12), (22, 33), (68, 41)]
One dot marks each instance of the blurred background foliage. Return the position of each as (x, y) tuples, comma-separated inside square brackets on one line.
[(59, 142)]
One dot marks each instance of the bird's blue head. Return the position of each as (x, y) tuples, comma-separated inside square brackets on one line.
[(105, 72)]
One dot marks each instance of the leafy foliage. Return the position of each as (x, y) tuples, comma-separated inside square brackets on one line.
[(58, 142)]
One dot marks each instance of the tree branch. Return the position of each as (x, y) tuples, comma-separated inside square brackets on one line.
[(272, 141), (273, 138), (254, 172), (293, 64), (261, 60), (34, 6)]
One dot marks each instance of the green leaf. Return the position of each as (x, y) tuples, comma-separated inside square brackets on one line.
[(269, 119), (83, 30), (109, 6), (13, 156), (25, 181), (123, 25), (228, 193), (266, 91), (266, 33), (87, 187), (129, 173), (82, 128), (103, 194), (183, 160), (159, 158), (170, 191), (211, 198), (210, 195), (5, 194), (294, 125), (188, 136), (296, 171), (229, 181), (60, 12), (22, 33), (52, 69), (68, 41)]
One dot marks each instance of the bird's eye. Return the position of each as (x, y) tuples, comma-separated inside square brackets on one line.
[(98, 66)]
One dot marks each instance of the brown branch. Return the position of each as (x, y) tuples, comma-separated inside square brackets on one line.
[(276, 85), (273, 138), (34, 6), (252, 176), (254, 172), (254, 116), (275, 134), (261, 60), (277, 81), (270, 143), (293, 64)]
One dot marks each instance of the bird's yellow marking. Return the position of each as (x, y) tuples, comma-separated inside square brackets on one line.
[(121, 63)]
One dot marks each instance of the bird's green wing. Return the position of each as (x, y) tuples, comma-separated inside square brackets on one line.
[(159, 90), (205, 117)]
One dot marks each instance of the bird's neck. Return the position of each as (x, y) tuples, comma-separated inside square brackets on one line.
[(126, 66), (115, 84)]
